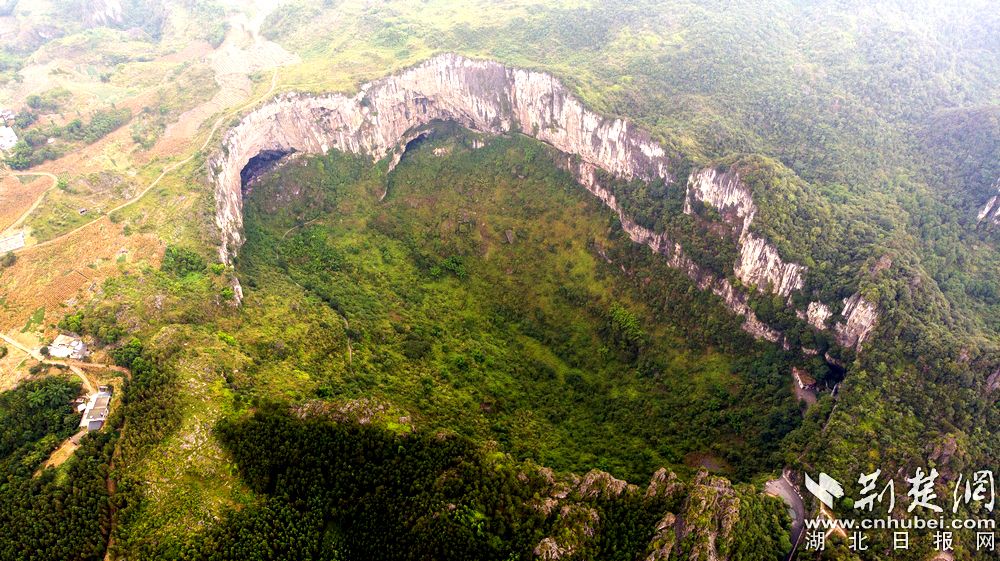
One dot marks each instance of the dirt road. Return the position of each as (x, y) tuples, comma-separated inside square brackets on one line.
[(75, 366), (24, 216), (233, 49)]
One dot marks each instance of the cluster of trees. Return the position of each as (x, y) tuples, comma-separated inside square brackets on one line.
[(102, 324), (182, 261), (34, 410), (7, 260), (35, 146), (50, 101), (149, 124), (55, 513)]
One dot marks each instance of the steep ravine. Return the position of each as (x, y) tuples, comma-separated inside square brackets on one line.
[(489, 97)]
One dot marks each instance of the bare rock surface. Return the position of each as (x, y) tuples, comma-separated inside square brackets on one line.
[(859, 321), (990, 212)]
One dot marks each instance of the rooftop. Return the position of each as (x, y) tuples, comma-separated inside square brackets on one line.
[(803, 377), (97, 408)]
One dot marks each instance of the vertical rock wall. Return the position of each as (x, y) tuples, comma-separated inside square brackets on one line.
[(759, 263), (489, 97), (859, 321), (480, 95)]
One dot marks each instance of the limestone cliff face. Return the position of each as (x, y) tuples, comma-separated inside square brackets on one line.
[(759, 263), (480, 95), (725, 192), (104, 12), (991, 210), (489, 97), (859, 317), (992, 382), (817, 313), (736, 301)]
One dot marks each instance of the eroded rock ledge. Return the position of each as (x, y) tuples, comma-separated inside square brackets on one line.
[(759, 264), (702, 527), (489, 97), (991, 210)]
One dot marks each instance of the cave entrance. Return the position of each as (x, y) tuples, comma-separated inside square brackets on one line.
[(259, 166), (433, 130)]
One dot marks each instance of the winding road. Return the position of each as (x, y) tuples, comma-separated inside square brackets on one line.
[(24, 216), (154, 183), (75, 366), (782, 487)]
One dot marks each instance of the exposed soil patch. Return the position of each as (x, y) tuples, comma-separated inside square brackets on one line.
[(706, 460), (19, 196), (63, 453)]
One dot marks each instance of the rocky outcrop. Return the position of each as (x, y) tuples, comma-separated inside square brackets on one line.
[(724, 191), (597, 483), (859, 317), (991, 210), (707, 511), (736, 301), (576, 526), (705, 524), (759, 263), (993, 382), (104, 12), (817, 313), (663, 484)]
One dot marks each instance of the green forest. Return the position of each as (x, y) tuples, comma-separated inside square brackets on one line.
[(475, 298), (426, 496), (59, 512), (432, 362)]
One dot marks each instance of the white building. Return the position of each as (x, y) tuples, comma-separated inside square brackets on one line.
[(7, 138), (65, 346), (97, 409)]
